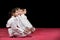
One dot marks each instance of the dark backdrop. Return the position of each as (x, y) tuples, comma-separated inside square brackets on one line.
[(40, 13)]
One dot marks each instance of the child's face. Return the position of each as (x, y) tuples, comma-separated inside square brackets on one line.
[(20, 11), (16, 13)]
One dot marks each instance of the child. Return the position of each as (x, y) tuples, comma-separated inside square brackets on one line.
[(13, 26), (23, 18)]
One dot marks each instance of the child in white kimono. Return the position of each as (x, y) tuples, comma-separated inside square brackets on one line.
[(13, 26), (23, 18)]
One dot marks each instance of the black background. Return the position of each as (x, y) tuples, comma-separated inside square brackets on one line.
[(40, 13)]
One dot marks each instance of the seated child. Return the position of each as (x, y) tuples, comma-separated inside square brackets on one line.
[(23, 18), (13, 26)]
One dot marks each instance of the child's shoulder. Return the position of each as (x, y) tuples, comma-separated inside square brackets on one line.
[(10, 20), (24, 16)]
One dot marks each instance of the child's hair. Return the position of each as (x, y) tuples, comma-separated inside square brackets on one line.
[(13, 11)]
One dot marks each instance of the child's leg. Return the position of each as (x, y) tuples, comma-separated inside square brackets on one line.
[(31, 29), (10, 31), (20, 32)]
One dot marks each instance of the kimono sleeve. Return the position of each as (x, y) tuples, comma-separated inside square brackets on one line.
[(8, 23), (26, 22)]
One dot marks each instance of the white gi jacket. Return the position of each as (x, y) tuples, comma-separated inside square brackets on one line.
[(25, 21), (13, 23)]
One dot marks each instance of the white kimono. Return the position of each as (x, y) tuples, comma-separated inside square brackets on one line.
[(14, 30), (25, 21)]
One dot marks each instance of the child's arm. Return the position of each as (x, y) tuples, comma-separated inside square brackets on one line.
[(26, 22), (8, 25)]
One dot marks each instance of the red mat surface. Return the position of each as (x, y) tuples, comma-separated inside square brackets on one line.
[(39, 34)]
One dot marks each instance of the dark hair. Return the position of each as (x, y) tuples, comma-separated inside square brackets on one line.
[(13, 11)]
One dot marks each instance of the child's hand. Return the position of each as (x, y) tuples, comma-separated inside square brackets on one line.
[(27, 30), (32, 29)]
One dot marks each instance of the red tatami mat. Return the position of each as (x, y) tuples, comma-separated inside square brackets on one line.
[(39, 34)]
